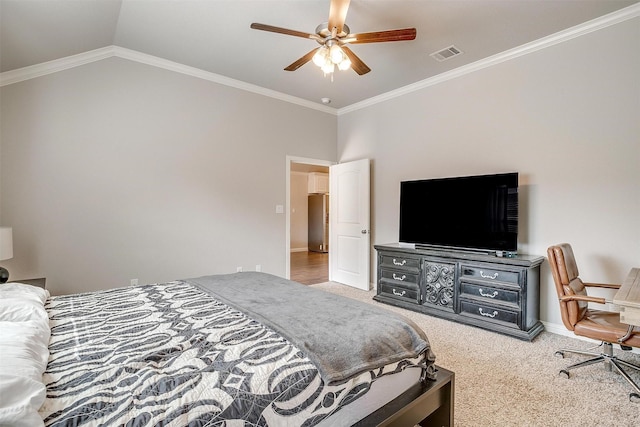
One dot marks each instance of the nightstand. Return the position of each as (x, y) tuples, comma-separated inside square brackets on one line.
[(39, 282)]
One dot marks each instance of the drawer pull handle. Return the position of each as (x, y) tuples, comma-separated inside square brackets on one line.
[(400, 294), (492, 315), (404, 261), (493, 295), (488, 276), (399, 278)]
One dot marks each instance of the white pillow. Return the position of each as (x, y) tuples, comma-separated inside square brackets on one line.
[(25, 347), (14, 309), (23, 290), (24, 340), (23, 360), (19, 397)]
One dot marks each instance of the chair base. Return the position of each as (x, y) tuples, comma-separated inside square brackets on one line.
[(610, 361)]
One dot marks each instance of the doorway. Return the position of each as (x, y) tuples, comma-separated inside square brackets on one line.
[(309, 268), (304, 265)]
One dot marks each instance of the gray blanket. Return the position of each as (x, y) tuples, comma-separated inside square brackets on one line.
[(343, 337)]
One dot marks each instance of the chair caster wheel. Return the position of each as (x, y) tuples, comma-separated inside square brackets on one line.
[(564, 373), (559, 354), (634, 397)]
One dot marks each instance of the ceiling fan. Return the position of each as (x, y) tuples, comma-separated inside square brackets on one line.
[(333, 36)]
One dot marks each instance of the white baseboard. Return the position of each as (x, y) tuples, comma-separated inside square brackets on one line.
[(299, 249)]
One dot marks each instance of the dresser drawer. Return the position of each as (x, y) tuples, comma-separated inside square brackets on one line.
[(490, 313), (489, 293), (399, 277), (399, 262), (489, 274), (409, 294)]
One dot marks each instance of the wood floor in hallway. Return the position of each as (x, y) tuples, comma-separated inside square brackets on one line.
[(309, 268)]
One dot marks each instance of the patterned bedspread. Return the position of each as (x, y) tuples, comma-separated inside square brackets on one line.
[(169, 354)]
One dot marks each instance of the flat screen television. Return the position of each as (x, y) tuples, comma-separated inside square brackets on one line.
[(470, 212)]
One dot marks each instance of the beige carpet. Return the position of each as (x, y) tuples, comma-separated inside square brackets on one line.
[(503, 381)]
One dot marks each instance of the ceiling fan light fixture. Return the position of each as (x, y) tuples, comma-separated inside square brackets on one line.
[(344, 65), (320, 57), (328, 67), (337, 55)]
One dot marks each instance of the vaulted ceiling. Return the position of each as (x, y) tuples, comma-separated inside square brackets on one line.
[(215, 36)]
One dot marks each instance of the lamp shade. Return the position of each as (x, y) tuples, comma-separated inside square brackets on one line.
[(6, 243)]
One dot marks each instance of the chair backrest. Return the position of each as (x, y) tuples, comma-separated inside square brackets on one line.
[(565, 275)]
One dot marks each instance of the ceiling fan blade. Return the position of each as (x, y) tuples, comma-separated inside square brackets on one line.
[(286, 31), (356, 63), (381, 36), (300, 62), (338, 14)]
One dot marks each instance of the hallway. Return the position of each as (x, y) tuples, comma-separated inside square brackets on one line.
[(309, 268)]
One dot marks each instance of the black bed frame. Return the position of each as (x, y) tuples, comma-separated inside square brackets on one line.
[(428, 404)]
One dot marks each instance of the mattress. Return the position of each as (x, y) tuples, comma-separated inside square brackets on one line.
[(172, 354)]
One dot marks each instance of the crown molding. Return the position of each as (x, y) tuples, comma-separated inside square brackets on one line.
[(155, 61), (605, 21), (50, 67), (38, 70)]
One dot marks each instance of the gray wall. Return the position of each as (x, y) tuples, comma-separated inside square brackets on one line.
[(567, 118), (116, 170)]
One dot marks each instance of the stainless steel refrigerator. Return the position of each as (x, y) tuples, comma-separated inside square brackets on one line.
[(318, 222)]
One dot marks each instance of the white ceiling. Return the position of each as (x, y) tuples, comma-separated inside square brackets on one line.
[(214, 35)]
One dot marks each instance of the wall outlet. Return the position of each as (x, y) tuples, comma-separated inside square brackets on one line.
[(134, 282), (258, 267), (238, 269)]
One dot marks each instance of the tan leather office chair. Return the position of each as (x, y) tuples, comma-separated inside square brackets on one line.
[(599, 325)]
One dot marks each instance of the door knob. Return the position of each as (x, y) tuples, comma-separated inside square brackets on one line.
[(364, 231)]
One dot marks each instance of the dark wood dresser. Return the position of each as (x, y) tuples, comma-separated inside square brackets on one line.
[(496, 293)]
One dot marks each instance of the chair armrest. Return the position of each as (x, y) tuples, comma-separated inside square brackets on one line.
[(602, 285), (586, 298)]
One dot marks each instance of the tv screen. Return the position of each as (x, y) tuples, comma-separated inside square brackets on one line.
[(471, 212)]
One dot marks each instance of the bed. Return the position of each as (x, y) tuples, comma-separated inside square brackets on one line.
[(244, 349)]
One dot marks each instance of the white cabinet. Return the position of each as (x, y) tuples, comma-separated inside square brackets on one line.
[(318, 182)]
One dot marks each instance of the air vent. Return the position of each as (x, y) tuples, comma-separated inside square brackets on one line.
[(447, 53)]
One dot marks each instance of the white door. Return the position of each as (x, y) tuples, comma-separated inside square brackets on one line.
[(349, 224)]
